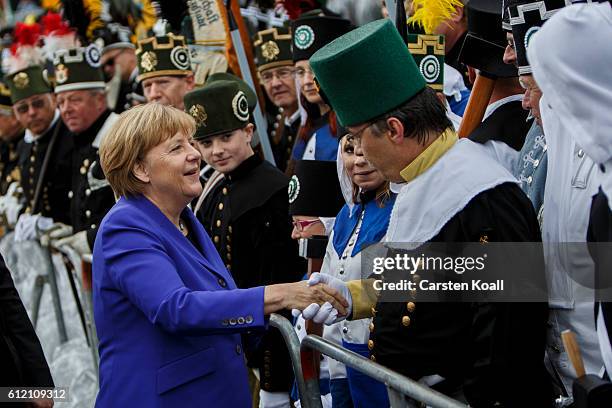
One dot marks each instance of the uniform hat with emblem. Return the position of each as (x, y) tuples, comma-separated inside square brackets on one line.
[(28, 82), (367, 72), (162, 56), (428, 53), (314, 189), (526, 18), (219, 107), (273, 48), (485, 42), (311, 32), (244, 87), (78, 68)]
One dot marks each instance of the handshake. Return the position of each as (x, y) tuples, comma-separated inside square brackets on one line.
[(328, 312)]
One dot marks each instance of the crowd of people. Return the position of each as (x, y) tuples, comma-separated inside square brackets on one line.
[(135, 142)]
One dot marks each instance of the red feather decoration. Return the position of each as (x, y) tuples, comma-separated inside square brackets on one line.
[(25, 34), (53, 24), (295, 8)]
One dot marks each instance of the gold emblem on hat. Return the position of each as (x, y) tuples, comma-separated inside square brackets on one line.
[(199, 114), (61, 73), (148, 62), (270, 50), (21, 80)]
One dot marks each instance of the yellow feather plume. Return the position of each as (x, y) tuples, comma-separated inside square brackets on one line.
[(93, 8), (431, 13)]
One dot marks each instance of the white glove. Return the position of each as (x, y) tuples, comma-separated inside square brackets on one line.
[(10, 204), (327, 313), (60, 230), (78, 242), (31, 226)]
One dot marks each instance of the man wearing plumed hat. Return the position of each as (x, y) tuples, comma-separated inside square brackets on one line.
[(81, 98), (246, 215), (470, 352)]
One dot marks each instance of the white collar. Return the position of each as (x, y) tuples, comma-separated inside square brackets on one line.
[(289, 120), (30, 137), (425, 204), (493, 106), (112, 118)]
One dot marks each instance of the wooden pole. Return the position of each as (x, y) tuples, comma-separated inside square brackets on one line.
[(477, 105), (573, 351)]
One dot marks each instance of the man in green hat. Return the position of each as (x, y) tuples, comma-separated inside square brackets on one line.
[(81, 98), (44, 155), (164, 68), (246, 215), (402, 129), (274, 61)]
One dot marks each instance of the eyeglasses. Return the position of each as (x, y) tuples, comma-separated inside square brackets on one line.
[(281, 74), (301, 72), (302, 225), (36, 104), (356, 137)]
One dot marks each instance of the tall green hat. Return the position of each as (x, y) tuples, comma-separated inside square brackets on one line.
[(526, 19), (428, 53), (78, 68), (5, 98), (218, 107), (311, 32), (273, 48), (28, 82), (367, 72), (162, 56)]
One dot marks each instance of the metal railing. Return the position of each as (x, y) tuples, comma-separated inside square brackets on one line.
[(398, 386)]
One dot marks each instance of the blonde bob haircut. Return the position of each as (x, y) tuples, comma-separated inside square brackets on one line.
[(135, 132)]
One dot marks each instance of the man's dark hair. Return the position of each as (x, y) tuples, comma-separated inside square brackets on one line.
[(421, 115)]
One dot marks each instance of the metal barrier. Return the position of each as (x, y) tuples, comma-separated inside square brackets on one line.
[(398, 386), (310, 397)]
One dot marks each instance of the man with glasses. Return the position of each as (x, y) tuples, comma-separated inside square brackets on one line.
[(274, 62), (44, 155), (118, 63), (246, 215), (81, 98), (469, 351), (164, 68)]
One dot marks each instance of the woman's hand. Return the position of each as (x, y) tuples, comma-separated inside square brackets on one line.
[(299, 295)]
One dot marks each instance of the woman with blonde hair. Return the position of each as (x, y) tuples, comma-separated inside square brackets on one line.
[(167, 311)]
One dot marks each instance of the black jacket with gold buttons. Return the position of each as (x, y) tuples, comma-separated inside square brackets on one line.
[(91, 194), (489, 350), (53, 198), (247, 217)]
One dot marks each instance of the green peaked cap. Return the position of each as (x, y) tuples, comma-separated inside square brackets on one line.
[(367, 72), (218, 107), (28, 82)]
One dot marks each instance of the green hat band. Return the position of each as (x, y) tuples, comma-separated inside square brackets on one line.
[(367, 72), (78, 68), (163, 56), (218, 107), (28, 82), (273, 48)]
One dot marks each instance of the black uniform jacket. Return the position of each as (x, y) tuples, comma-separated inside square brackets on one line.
[(23, 361), (506, 124), (495, 351), (53, 199), (91, 194), (282, 139), (9, 160), (247, 217)]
